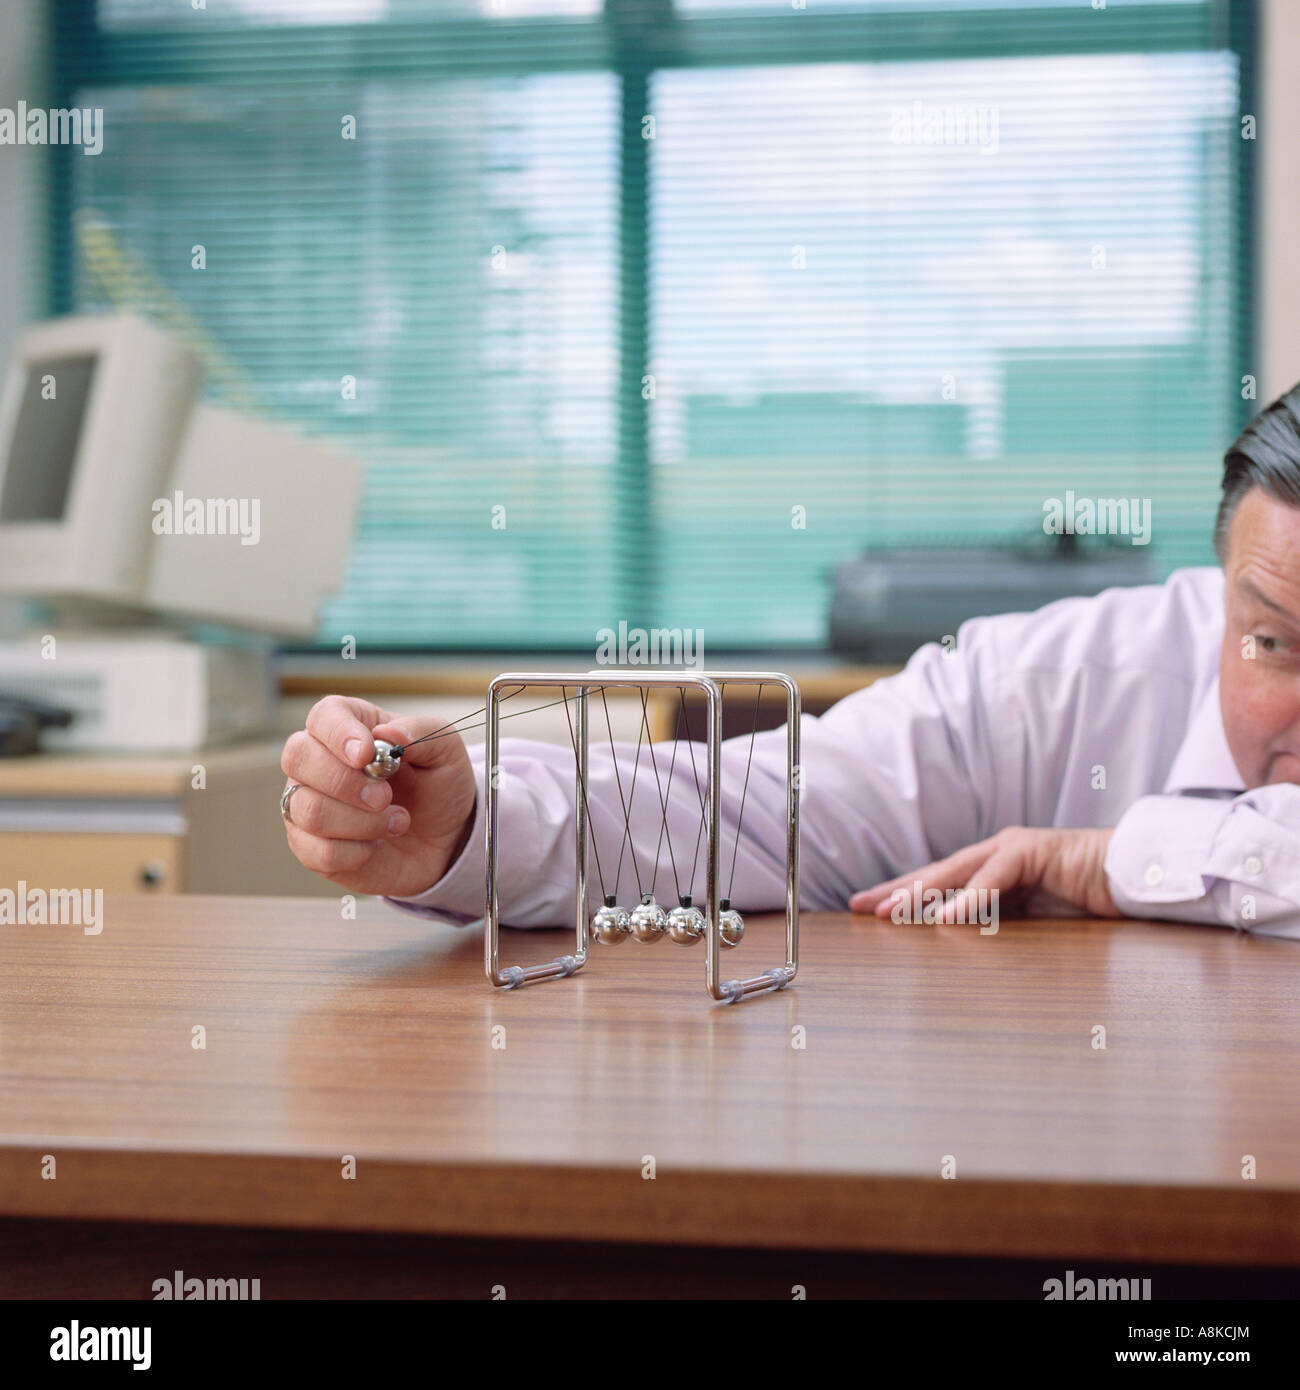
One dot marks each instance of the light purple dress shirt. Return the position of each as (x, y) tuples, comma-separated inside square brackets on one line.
[(1089, 712)]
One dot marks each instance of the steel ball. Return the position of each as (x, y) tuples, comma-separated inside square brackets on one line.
[(648, 921), (610, 925), (386, 761), (685, 925), (731, 927)]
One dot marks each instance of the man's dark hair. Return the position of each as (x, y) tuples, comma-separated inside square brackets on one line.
[(1267, 455)]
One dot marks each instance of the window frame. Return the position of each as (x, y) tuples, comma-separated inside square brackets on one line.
[(621, 41)]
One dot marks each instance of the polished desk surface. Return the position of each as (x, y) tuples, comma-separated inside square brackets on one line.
[(374, 1038)]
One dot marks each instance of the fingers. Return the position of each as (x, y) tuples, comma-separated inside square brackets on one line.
[(308, 761), (1070, 865), (951, 872), (329, 858), (327, 818), (1000, 873), (407, 729), (341, 821), (869, 899), (343, 725)]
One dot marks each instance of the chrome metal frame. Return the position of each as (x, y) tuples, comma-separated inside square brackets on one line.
[(729, 991)]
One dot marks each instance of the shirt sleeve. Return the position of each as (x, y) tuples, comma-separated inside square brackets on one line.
[(889, 778), (1224, 862)]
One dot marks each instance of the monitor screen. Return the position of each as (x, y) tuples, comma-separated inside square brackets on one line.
[(43, 451)]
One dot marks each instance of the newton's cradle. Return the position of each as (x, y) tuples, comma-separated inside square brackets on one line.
[(716, 924)]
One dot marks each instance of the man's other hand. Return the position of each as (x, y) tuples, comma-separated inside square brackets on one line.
[(1067, 864)]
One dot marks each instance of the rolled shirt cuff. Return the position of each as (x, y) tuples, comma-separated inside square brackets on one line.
[(1160, 853), (1197, 859)]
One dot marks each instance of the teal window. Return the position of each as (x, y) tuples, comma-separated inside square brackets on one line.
[(656, 312)]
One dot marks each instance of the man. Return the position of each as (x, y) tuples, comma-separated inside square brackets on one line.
[(1136, 753)]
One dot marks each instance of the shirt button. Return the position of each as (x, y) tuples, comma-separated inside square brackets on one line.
[(1254, 865), (1155, 875)]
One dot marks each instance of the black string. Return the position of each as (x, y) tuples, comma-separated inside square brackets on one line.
[(627, 805), (451, 727), (735, 854), (663, 809), (663, 788), (447, 730), (582, 791), (699, 791)]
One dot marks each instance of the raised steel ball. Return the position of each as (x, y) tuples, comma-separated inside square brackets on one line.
[(386, 760), (685, 924), (648, 920), (731, 927), (610, 924)]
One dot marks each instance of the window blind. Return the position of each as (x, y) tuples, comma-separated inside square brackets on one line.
[(654, 314)]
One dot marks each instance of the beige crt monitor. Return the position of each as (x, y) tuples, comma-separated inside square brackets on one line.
[(119, 486), (91, 422), (124, 497)]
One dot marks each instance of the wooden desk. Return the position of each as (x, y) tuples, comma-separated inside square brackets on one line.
[(374, 1038)]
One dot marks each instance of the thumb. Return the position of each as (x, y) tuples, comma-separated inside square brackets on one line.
[(441, 740), (435, 781)]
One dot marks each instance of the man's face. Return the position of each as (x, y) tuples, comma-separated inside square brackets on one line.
[(1259, 669)]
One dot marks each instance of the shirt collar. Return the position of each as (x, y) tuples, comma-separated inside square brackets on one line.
[(1204, 762)]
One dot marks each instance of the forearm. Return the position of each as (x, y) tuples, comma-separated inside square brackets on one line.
[(645, 820), (888, 778)]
